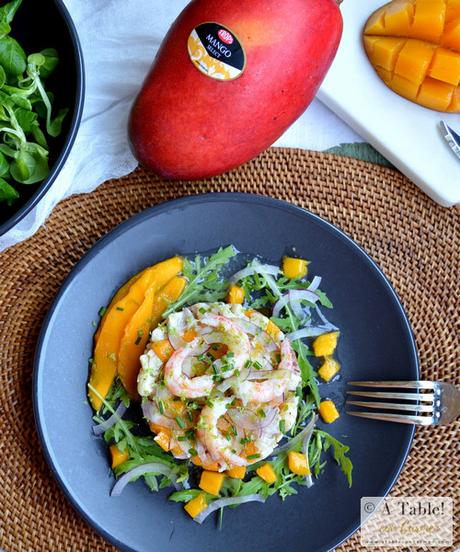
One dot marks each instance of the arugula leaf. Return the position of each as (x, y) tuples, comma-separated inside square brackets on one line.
[(323, 299), (188, 494), (340, 452), (204, 283)]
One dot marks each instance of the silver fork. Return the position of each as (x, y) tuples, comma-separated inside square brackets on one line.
[(426, 403)]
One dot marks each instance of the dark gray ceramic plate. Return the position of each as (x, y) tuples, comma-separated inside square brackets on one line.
[(376, 343)]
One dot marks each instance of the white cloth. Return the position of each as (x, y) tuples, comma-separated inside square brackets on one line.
[(119, 39)]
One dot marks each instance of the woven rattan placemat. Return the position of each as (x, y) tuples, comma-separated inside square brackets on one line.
[(415, 242)]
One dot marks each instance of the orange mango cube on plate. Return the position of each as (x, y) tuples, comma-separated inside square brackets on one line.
[(414, 46)]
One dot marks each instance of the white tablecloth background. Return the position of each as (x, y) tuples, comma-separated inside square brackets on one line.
[(119, 40)]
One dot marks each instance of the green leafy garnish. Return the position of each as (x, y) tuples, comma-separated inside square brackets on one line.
[(204, 281), (26, 111)]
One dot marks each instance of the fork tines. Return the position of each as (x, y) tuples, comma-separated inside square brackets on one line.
[(420, 401)]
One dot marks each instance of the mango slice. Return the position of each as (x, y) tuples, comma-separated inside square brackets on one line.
[(133, 343), (105, 358), (137, 331), (122, 292), (414, 46)]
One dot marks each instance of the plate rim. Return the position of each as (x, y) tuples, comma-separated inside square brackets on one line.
[(151, 212)]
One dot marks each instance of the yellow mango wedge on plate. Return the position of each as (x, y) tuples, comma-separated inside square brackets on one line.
[(117, 317), (414, 46), (136, 333)]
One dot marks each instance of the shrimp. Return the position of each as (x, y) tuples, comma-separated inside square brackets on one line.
[(177, 382), (220, 449), (230, 334), (285, 378)]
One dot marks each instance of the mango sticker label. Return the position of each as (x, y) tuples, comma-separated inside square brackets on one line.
[(216, 52)]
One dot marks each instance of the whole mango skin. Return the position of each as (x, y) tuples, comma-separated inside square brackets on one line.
[(186, 125)]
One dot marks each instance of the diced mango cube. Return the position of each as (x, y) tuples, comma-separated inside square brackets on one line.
[(163, 439), (452, 10), (375, 24), (176, 451), (328, 411), (385, 51), (454, 106), (213, 466), (445, 66), (294, 268), (118, 457), (250, 451), (218, 350), (273, 330), (413, 60), (196, 505), (163, 349), (398, 18), (329, 368), (267, 473), (211, 482), (189, 335), (237, 472), (451, 36), (429, 18), (235, 295), (298, 463), (435, 94), (325, 344), (385, 75), (176, 407), (404, 87)]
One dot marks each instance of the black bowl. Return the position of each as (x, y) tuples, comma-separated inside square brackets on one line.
[(40, 25)]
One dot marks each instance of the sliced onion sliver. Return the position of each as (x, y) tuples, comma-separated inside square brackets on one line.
[(280, 304), (152, 467), (255, 268), (298, 438), (297, 309), (293, 297), (272, 285), (324, 320), (252, 421), (305, 442), (230, 501), (315, 283), (114, 418), (308, 332), (303, 295), (266, 374)]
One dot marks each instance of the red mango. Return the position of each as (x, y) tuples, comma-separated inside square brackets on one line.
[(269, 57)]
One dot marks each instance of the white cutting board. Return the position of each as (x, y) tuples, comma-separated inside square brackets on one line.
[(408, 135)]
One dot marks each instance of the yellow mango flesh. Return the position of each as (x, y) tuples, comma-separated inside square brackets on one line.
[(267, 473), (298, 463), (328, 411), (294, 268), (122, 292), (237, 472), (136, 333), (211, 482), (414, 46), (235, 295), (196, 505), (107, 345), (133, 343), (118, 457)]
